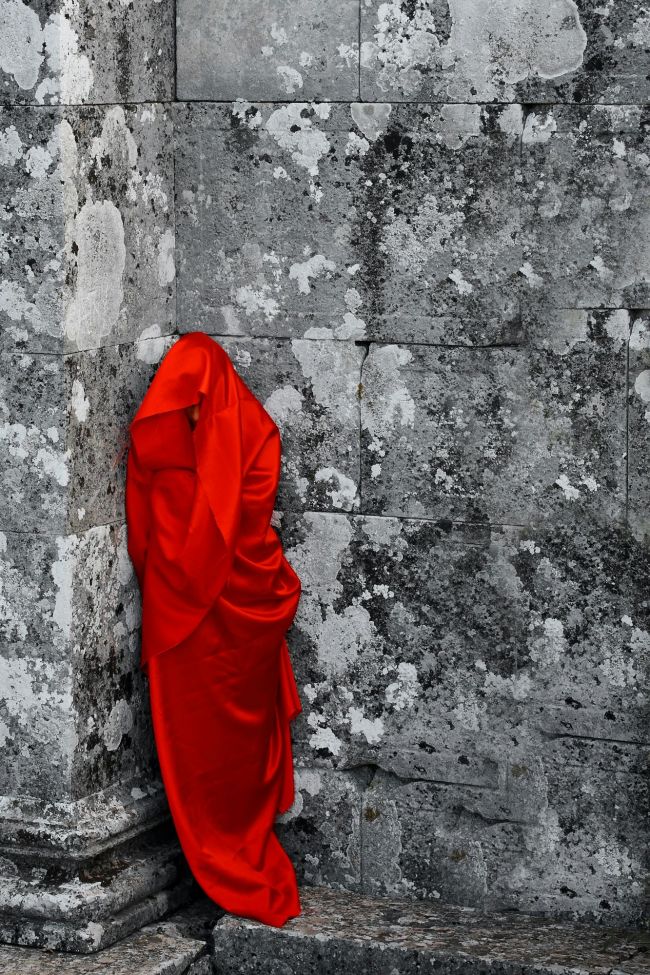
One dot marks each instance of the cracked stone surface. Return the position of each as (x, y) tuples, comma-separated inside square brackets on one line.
[(266, 51), (87, 242), (76, 51), (347, 932), (504, 51)]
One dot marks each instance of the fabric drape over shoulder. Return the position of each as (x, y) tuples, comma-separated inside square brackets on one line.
[(218, 596)]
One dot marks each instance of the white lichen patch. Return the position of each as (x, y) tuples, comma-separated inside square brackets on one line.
[(331, 368), (403, 692), (342, 489), (371, 119), (297, 134), (118, 724), (150, 345), (95, 308), (79, 402), (316, 266), (387, 399), (371, 729), (412, 240), (283, 404)]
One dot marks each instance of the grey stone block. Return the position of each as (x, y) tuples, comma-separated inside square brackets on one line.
[(508, 436), (73, 702), (310, 388), (53, 52), (350, 221), (268, 51), (321, 831), (342, 932), (144, 952), (87, 242), (425, 647), (530, 846), (64, 434), (437, 206), (268, 187), (586, 216), (460, 51), (639, 427)]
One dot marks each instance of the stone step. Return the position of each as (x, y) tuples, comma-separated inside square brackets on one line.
[(144, 953), (341, 932)]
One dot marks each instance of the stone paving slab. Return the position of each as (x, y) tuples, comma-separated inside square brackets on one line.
[(142, 953), (507, 50), (274, 50), (54, 52), (87, 243), (342, 931)]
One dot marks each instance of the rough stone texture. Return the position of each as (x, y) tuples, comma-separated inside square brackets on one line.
[(587, 206), (321, 832), (510, 435), (145, 952), (504, 672), (350, 221), (345, 932), (86, 240), (639, 426), (306, 49), (310, 388), (504, 51), (77, 51)]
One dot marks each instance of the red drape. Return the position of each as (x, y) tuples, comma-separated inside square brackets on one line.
[(218, 596)]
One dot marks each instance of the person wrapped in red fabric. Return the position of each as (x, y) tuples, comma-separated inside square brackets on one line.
[(218, 596)]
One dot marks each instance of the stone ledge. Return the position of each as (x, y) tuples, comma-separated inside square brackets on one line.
[(142, 953), (345, 932)]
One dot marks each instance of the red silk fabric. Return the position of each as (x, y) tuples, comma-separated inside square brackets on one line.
[(218, 596)]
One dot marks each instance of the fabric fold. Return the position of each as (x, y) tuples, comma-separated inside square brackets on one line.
[(218, 596)]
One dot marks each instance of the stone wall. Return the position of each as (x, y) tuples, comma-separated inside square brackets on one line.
[(421, 230)]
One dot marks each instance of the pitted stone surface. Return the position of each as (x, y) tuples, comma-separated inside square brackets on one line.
[(58, 52), (144, 952), (64, 433), (71, 612), (510, 435), (269, 184), (639, 426), (321, 831), (339, 932), (504, 51), (437, 206), (310, 388), (88, 209), (350, 221), (273, 50), (480, 658), (586, 217)]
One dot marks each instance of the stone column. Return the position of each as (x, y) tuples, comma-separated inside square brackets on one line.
[(87, 298)]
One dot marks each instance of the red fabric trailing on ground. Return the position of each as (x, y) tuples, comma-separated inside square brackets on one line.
[(218, 596)]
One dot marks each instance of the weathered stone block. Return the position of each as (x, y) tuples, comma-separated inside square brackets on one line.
[(530, 846), (437, 207), (54, 52), (268, 51), (428, 648), (71, 613), (267, 185), (350, 221), (511, 435), (64, 434), (346, 932), (586, 217), (321, 830), (87, 239), (508, 50), (639, 427), (310, 388)]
